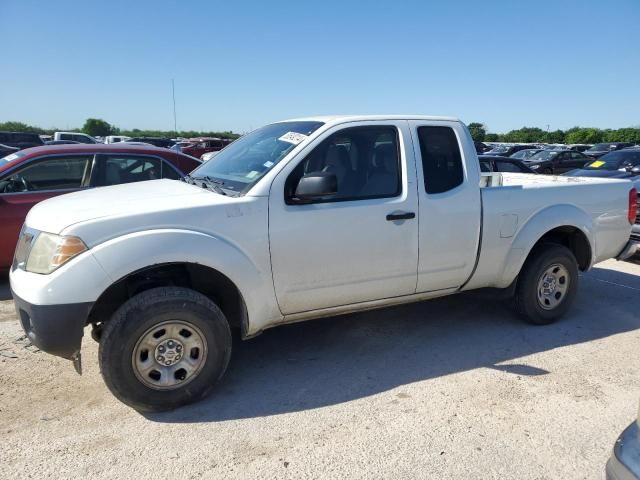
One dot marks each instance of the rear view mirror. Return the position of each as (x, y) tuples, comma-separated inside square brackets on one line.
[(316, 185)]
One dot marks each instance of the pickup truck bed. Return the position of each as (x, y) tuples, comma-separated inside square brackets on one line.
[(511, 200)]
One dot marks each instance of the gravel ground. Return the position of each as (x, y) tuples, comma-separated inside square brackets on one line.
[(452, 388)]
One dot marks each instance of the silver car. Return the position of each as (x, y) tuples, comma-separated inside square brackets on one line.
[(624, 463)]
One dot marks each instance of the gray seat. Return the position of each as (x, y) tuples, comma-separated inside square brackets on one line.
[(383, 179), (112, 173), (337, 162)]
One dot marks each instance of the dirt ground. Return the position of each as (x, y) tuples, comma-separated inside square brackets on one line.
[(452, 388)]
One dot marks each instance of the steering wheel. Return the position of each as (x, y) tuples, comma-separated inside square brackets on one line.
[(19, 181)]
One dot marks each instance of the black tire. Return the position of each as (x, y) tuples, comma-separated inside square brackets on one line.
[(539, 261), (547, 171), (148, 310)]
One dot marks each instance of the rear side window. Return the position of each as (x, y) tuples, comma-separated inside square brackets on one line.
[(169, 172), (117, 169), (441, 159)]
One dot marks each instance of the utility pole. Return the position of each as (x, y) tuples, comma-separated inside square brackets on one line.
[(173, 95)]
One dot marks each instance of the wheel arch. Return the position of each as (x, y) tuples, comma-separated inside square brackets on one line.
[(562, 224), (212, 265), (203, 279)]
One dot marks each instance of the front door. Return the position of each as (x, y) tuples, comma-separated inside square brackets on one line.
[(347, 248), (26, 185)]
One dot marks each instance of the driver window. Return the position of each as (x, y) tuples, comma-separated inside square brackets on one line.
[(58, 173), (365, 161)]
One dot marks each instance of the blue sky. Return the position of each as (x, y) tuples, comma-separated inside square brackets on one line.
[(240, 64)]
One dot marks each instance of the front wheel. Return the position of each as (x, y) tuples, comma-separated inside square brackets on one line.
[(164, 348), (547, 284)]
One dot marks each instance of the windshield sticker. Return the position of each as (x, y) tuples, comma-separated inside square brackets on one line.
[(11, 157), (252, 174), (597, 164), (293, 137), (268, 164)]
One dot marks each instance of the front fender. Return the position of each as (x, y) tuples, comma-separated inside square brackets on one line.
[(121, 256), (536, 227)]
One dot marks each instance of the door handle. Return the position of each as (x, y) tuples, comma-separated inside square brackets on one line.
[(400, 216)]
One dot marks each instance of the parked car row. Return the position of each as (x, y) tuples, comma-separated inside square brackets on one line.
[(195, 147)]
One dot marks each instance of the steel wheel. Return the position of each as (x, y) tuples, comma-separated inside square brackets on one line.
[(169, 355), (552, 286)]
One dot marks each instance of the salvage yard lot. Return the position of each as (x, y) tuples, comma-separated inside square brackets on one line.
[(453, 388)]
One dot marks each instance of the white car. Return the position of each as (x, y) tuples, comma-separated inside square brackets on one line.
[(116, 139), (298, 220), (75, 137)]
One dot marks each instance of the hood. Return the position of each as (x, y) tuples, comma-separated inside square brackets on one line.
[(598, 173), (133, 200)]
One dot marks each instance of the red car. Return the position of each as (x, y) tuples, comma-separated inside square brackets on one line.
[(35, 174), (202, 145)]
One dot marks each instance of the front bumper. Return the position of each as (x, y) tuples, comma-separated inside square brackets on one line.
[(55, 329), (624, 463)]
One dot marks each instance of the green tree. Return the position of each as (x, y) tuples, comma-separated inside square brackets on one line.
[(491, 137), (97, 127), (583, 135), (524, 135), (557, 136), (478, 131), (19, 127)]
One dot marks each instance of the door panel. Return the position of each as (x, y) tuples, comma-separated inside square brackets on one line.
[(450, 204), (13, 211), (343, 250)]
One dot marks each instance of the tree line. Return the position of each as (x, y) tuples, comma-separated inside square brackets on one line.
[(572, 135), (101, 128), (97, 127)]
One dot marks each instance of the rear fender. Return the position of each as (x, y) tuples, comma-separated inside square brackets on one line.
[(536, 227)]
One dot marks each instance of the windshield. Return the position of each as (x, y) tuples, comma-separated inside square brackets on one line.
[(598, 147), (543, 155), (10, 158), (240, 165), (614, 161), (524, 154), (498, 149)]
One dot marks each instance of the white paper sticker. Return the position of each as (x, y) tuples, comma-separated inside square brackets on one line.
[(293, 137), (11, 157), (252, 174), (268, 164)]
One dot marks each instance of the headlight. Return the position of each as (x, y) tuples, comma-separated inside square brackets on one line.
[(534, 167), (50, 252)]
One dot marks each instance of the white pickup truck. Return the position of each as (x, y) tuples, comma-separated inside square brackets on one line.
[(298, 220)]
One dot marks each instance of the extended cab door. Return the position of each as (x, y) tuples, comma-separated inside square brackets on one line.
[(360, 244), (450, 204)]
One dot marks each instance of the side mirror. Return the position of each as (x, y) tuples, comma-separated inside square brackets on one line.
[(316, 185)]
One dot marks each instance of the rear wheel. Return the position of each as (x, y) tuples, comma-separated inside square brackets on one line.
[(547, 284), (164, 348)]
